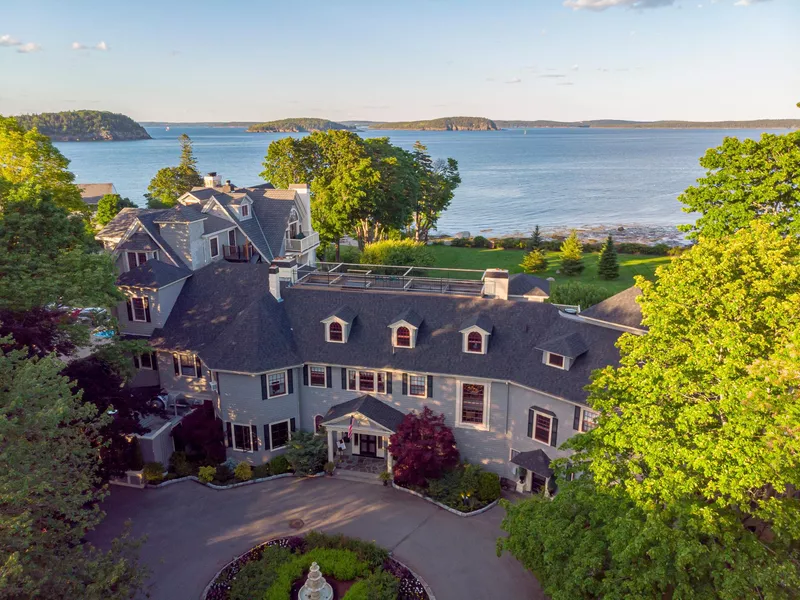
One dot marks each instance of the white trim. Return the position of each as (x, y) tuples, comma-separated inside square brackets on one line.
[(324, 376), (549, 428), (288, 429), (511, 454), (220, 232), (180, 364), (564, 366), (358, 388), (211, 248), (145, 305), (138, 360), (344, 325), (412, 333), (285, 374), (249, 429), (580, 422), (424, 378), (465, 340), (487, 403)]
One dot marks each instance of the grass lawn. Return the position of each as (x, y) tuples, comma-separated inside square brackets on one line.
[(479, 258)]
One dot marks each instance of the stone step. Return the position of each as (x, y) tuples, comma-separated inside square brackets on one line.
[(357, 476)]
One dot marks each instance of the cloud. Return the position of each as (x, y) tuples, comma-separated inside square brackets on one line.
[(102, 46), (7, 40), (78, 46), (515, 80), (574, 68), (748, 2), (552, 76), (604, 4), (28, 48), (565, 83)]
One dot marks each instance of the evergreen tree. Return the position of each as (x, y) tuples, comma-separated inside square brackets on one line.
[(170, 183), (572, 255), (536, 239), (608, 266), (534, 262)]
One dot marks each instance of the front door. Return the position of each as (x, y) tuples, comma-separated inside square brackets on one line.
[(368, 445)]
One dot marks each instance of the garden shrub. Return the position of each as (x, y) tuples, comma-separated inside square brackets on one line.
[(153, 472), (258, 575), (509, 243), (578, 293), (647, 249), (279, 465), (223, 474), (243, 471), (398, 252), (460, 242), (423, 448), (480, 242), (307, 453), (137, 460), (381, 585), (206, 474), (180, 465), (261, 471), (488, 486), (367, 552), (343, 565)]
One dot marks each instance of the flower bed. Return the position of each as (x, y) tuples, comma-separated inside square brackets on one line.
[(466, 489), (276, 569)]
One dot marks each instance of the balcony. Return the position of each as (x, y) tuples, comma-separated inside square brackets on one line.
[(304, 244), (238, 253)]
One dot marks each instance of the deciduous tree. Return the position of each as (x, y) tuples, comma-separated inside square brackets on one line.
[(608, 265), (170, 183), (108, 207), (572, 255), (423, 448)]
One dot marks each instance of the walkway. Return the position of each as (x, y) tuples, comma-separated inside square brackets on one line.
[(192, 531)]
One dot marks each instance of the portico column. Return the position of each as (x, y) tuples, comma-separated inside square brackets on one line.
[(389, 462), (330, 445)]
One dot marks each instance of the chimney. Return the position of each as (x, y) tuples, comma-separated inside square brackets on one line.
[(495, 283), (228, 187), (287, 268), (212, 179), (275, 282)]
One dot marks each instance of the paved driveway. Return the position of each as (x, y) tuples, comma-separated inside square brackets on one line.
[(193, 531)]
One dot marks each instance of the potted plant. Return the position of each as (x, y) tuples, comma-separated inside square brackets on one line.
[(329, 468), (385, 477)]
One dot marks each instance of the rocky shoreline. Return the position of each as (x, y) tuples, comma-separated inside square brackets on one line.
[(633, 233)]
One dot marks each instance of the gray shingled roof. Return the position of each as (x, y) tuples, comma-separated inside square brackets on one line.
[(523, 284), (213, 223), (118, 226), (345, 313), (139, 241), (147, 221), (409, 316), (570, 345), (180, 214), (534, 460), (251, 227), (274, 218), (153, 274), (477, 320), (370, 407), (621, 309)]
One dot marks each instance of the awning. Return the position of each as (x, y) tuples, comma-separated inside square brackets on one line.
[(534, 460)]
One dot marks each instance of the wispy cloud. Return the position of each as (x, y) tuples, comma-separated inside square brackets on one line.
[(574, 68), (102, 46), (604, 4), (748, 2), (515, 80), (29, 48), (7, 40), (552, 76), (565, 83), (78, 46)]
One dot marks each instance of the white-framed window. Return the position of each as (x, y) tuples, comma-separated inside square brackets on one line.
[(318, 423), (418, 385), (381, 382), (542, 427), (556, 360), (366, 381), (276, 384), (473, 405), (279, 434), (475, 342), (588, 420), (213, 244), (139, 306), (317, 376), (245, 210), (512, 453), (186, 365), (402, 337), (146, 361), (335, 332), (232, 237), (139, 258), (242, 437)]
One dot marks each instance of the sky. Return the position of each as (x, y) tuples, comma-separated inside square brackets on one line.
[(176, 60)]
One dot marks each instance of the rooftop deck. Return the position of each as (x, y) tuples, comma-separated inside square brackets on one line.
[(459, 282)]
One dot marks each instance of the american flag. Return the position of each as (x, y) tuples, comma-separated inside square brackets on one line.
[(350, 429)]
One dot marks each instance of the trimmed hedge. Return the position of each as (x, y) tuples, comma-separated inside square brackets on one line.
[(339, 564)]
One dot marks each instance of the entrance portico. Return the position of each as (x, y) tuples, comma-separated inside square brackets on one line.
[(373, 422)]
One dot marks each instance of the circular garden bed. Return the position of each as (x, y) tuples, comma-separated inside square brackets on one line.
[(356, 570)]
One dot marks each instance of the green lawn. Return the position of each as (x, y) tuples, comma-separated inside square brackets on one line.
[(477, 258)]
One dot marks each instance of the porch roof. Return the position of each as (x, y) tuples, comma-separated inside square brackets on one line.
[(369, 406), (534, 460)]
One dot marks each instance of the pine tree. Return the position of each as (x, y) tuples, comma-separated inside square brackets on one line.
[(608, 267), (534, 262), (572, 255), (536, 239)]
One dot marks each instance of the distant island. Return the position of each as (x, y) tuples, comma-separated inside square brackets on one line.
[(443, 124), (85, 126), (297, 125), (622, 124)]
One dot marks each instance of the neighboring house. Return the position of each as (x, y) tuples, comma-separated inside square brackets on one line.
[(281, 345), (92, 192)]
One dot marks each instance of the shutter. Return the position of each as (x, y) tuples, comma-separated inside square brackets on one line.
[(292, 425), (405, 384), (267, 438), (130, 309), (135, 362), (146, 302), (263, 387), (198, 366), (530, 423), (388, 382), (344, 378), (290, 378), (329, 377), (554, 433), (154, 361), (176, 364), (305, 374), (430, 386), (254, 431), (229, 432), (576, 421)]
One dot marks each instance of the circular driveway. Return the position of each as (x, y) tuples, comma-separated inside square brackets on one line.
[(193, 531)]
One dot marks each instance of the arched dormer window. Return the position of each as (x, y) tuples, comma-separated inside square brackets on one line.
[(403, 337), (335, 332), (475, 342)]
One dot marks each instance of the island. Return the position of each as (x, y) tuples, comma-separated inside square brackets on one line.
[(443, 124), (623, 124), (85, 126), (297, 125)]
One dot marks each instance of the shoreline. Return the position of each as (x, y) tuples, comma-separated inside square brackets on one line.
[(631, 233)]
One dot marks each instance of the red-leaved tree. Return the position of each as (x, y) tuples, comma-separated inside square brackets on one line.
[(423, 448)]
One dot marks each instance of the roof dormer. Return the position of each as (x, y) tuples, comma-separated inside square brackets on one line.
[(475, 333), (242, 206), (339, 324), (561, 352), (405, 327)]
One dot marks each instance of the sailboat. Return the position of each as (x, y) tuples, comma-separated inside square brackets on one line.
[(525, 132), (167, 129)]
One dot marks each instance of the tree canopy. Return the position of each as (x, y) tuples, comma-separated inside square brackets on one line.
[(108, 207), (572, 255), (438, 181), (85, 125), (747, 179), (423, 448), (170, 183)]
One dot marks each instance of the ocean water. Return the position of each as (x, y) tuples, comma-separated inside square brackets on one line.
[(511, 180)]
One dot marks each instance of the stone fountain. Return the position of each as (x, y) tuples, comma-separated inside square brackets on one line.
[(315, 588)]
